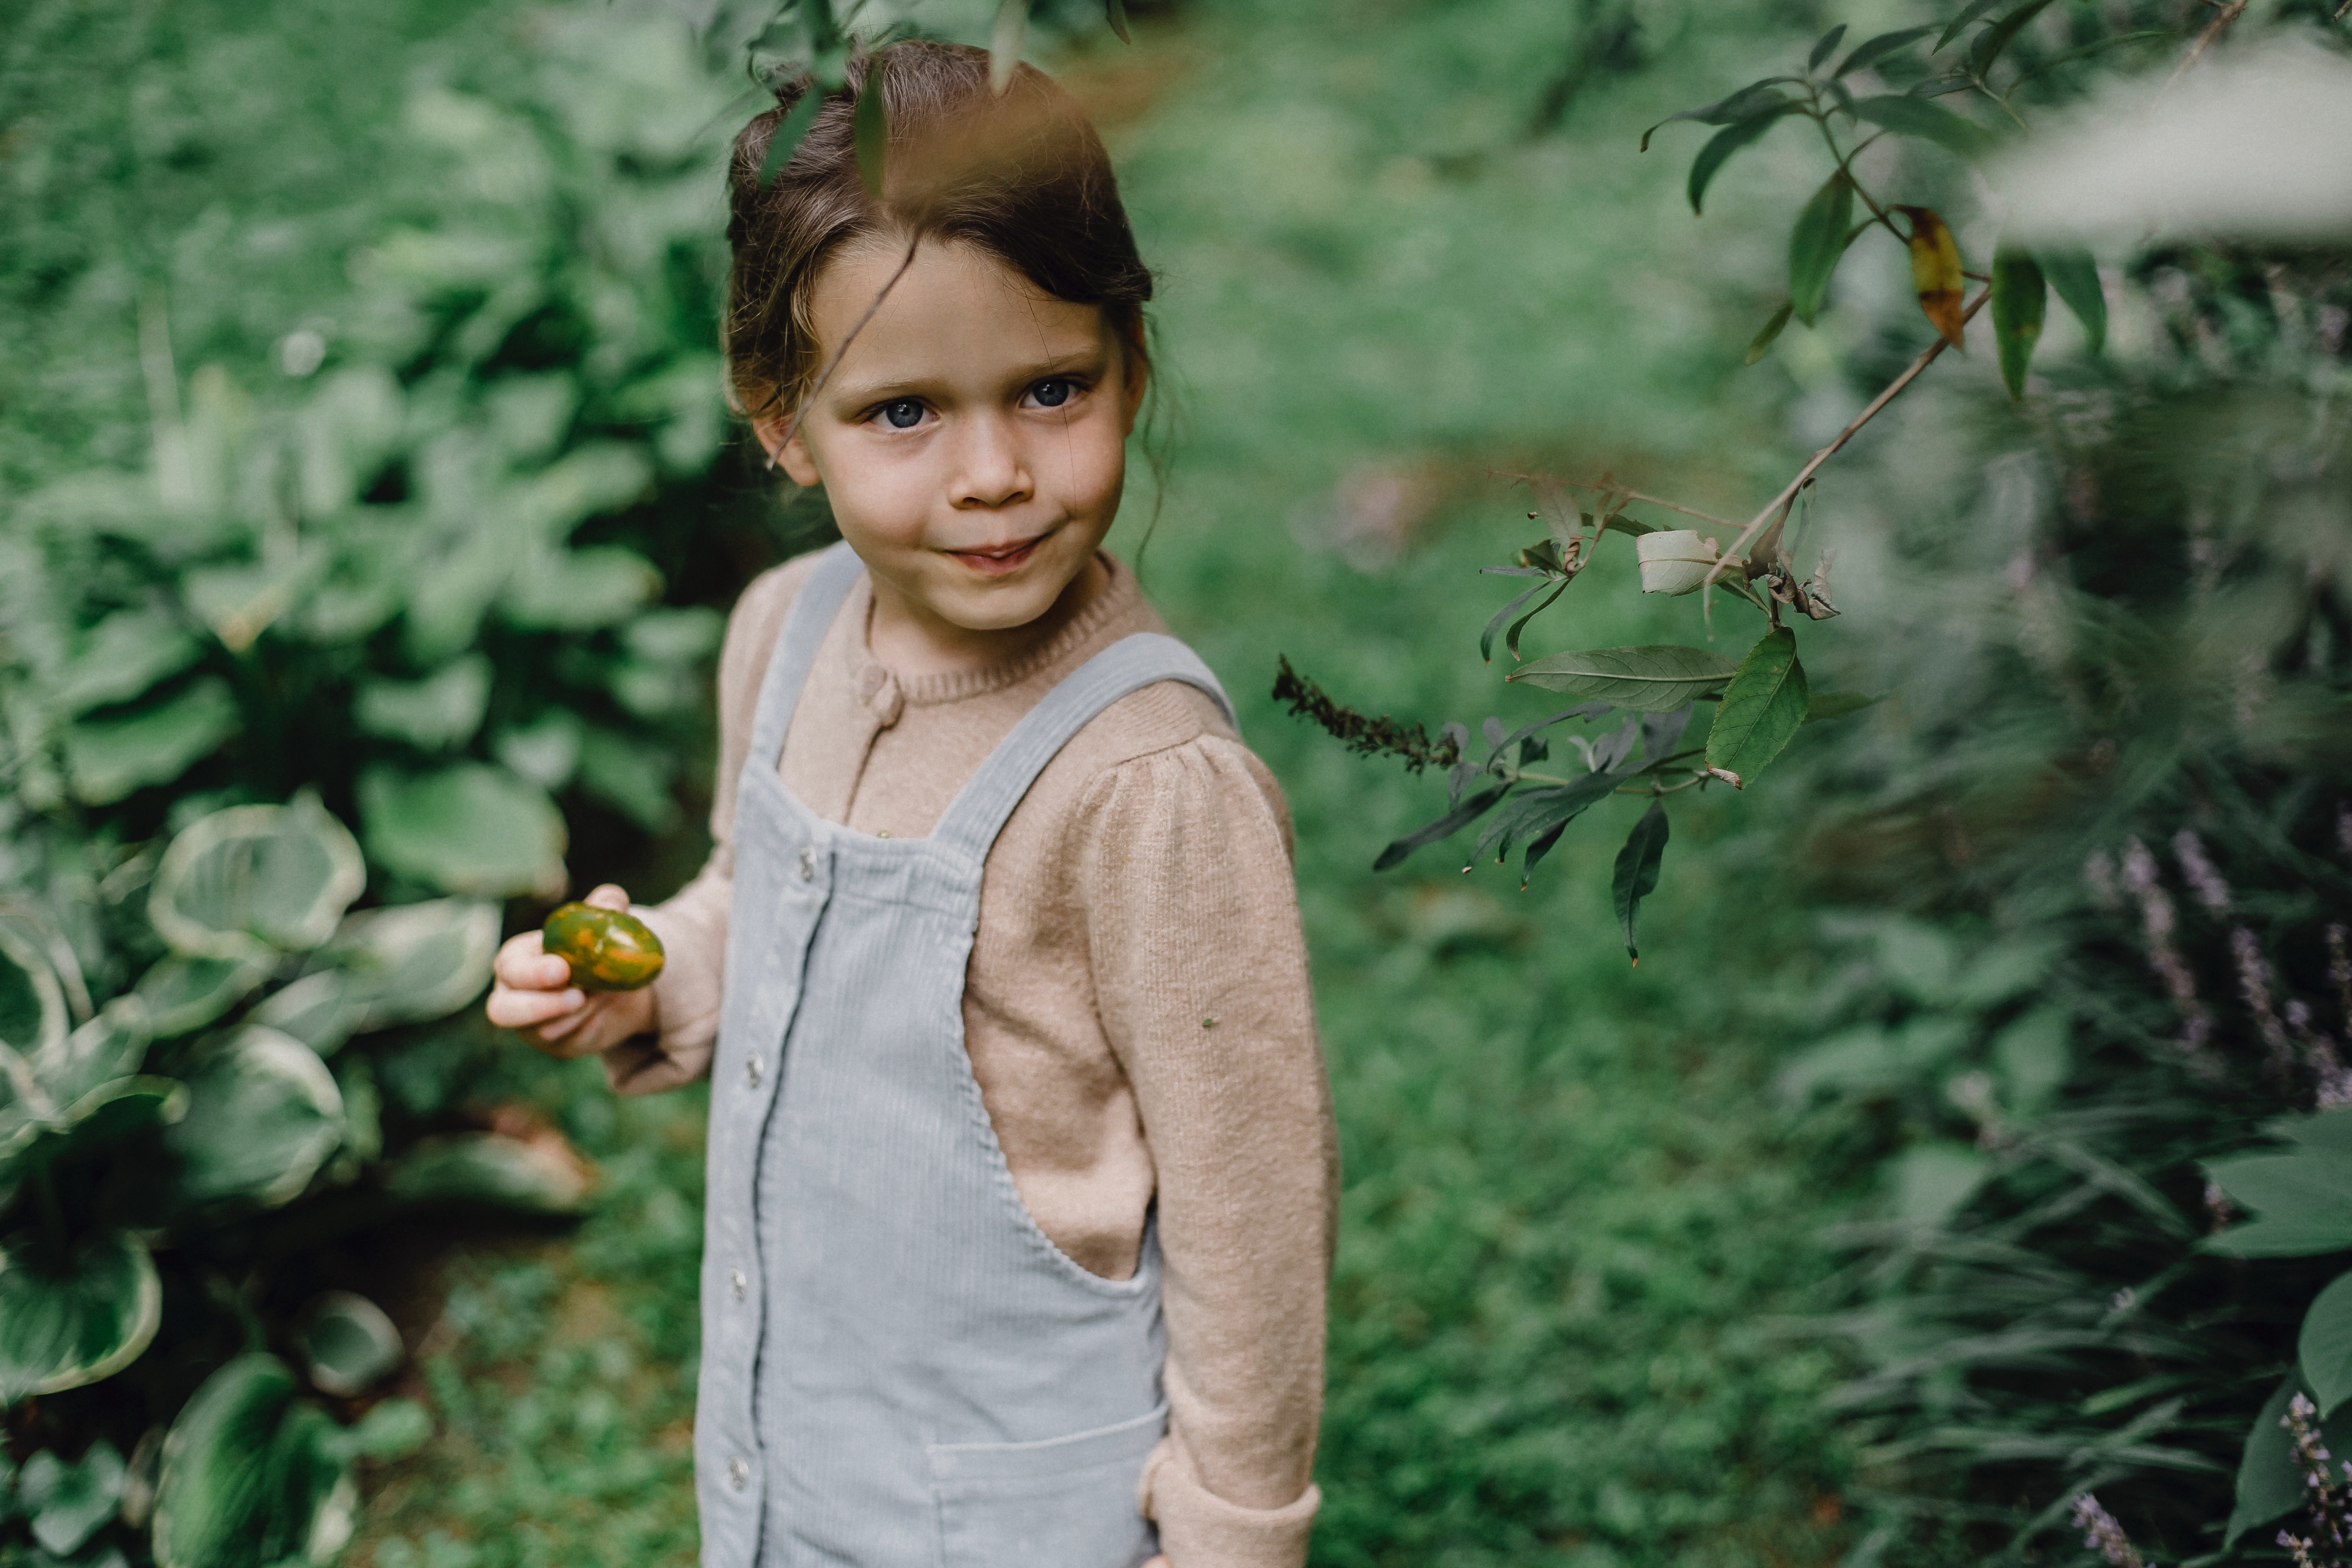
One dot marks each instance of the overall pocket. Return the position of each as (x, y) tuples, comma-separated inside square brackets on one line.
[(1066, 1502)]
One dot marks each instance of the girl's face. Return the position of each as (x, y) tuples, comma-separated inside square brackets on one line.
[(971, 441)]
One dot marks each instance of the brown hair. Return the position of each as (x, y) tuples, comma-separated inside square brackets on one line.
[(1019, 176)]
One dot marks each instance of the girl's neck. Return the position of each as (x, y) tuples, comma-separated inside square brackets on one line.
[(912, 642)]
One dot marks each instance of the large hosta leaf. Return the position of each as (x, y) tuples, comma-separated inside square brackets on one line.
[(184, 994), (32, 1004), (68, 1502), (412, 963), (466, 829), (1657, 679), (538, 1176), (73, 1317), (263, 1114), (252, 1476), (106, 1114), (348, 1343), (240, 882), (2301, 1198), (322, 1010), (110, 758)]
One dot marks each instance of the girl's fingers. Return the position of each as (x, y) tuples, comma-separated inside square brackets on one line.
[(511, 1007), (524, 963), (608, 896)]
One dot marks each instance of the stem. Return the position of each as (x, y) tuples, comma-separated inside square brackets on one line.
[(1672, 506), (1781, 502), (1660, 791), (2213, 30), (1845, 167)]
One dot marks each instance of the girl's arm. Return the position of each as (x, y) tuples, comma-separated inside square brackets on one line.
[(1201, 975)]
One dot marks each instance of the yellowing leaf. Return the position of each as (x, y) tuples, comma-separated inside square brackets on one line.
[(1936, 272)]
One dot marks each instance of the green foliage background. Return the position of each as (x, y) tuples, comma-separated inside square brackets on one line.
[(1587, 1309)]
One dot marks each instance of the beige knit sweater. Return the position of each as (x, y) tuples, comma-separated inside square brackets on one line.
[(1137, 1012)]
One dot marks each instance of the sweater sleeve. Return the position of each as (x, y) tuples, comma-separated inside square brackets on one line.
[(692, 924), (1200, 976)]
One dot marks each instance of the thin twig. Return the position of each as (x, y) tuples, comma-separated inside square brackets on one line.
[(834, 363), (1676, 506), (2213, 30), (1780, 503)]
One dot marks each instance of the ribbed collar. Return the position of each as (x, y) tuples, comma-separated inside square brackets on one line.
[(877, 685)]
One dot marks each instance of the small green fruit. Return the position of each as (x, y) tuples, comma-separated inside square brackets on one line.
[(609, 950)]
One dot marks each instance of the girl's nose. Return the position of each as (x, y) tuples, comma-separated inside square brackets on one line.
[(989, 472)]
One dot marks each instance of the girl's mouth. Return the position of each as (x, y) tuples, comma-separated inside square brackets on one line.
[(999, 560)]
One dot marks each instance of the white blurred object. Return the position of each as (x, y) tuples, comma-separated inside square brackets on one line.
[(2252, 143)]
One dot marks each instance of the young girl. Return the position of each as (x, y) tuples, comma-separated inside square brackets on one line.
[(1021, 1162)]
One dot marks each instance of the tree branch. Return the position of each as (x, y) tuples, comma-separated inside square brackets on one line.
[(1780, 503), (2205, 40)]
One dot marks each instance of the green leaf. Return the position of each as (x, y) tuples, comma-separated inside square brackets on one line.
[(322, 1010), (240, 882), (392, 1429), (1824, 231), (233, 1492), (2074, 277), (487, 1168), (1656, 679), (263, 1115), (577, 590), (123, 655), (2020, 300), (70, 1319), (630, 774), (68, 1502), (1871, 50), (411, 963), (182, 993), (1756, 98), (1821, 707), (1637, 870), (1825, 47), (348, 1344), (2034, 1055), (1534, 812), (107, 759), (1731, 139), (2323, 1347), (1994, 40), (1768, 333), (468, 828), (108, 1048), (786, 138), (1908, 116), (1114, 12), (1932, 1181), (1761, 708), (1461, 816), (869, 127), (1968, 13), (2303, 1201), (434, 714), (106, 1114), (33, 1015), (1495, 623)]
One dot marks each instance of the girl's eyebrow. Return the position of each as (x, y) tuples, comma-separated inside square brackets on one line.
[(859, 393)]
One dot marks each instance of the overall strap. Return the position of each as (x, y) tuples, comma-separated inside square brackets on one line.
[(804, 628), (980, 809)]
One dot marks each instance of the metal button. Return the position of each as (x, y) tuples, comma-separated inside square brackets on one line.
[(735, 1278), (739, 1474), (751, 1071), (808, 864)]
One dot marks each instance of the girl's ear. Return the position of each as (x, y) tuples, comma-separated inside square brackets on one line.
[(1135, 373), (787, 449)]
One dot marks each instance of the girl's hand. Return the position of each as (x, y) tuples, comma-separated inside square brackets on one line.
[(534, 997)]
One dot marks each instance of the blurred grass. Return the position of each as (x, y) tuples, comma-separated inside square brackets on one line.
[(1570, 1218)]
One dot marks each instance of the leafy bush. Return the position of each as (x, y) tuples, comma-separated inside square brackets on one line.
[(189, 1047), (419, 571)]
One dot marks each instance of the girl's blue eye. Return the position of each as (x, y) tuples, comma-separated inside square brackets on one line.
[(1051, 393), (903, 415)]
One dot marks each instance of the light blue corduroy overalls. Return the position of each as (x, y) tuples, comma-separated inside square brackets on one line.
[(899, 1370)]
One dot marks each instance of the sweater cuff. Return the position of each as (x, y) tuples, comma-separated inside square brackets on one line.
[(686, 1020), (1197, 1528)]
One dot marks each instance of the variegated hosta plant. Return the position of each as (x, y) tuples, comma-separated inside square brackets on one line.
[(156, 1144)]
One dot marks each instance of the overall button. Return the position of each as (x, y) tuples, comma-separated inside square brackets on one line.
[(739, 1474), (751, 1071), (808, 864), (735, 1278)]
